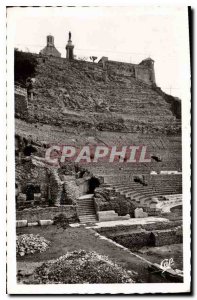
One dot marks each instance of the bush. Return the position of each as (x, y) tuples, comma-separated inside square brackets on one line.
[(61, 221), (24, 66), (81, 267)]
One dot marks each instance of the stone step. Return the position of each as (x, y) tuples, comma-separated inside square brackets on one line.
[(84, 197), (85, 206), (85, 201), (122, 188), (82, 207), (88, 219), (90, 216), (85, 211), (123, 192), (131, 194), (84, 214)]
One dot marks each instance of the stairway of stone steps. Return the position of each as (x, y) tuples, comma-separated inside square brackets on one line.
[(85, 209)]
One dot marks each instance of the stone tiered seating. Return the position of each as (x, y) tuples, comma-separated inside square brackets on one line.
[(161, 186), (167, 202), (173, 197)]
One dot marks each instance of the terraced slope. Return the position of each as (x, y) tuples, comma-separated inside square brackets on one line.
[(81, 103), (84, 95)]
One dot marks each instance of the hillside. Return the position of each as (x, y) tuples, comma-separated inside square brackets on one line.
[(88, 96)]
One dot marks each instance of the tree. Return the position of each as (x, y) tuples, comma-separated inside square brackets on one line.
[(24, 66), (93, 58)]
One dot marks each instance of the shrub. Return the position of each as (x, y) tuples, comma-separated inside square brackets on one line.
[(24, 66), (81, 267), (61, 221)]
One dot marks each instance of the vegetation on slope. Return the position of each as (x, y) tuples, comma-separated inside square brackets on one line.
[(24, 66)]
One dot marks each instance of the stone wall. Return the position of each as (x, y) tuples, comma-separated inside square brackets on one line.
[(116, 69), (143, 74), (167, 237), (29, 173), (72, 190), (55, 187), (146, 238), (33, 215), (131, 240), (21, 105)]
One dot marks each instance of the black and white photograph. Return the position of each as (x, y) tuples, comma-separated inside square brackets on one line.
[(98, 156)]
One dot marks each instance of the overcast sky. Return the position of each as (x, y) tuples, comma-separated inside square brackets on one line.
[(122, 33)]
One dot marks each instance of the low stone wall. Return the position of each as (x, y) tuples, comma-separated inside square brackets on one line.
[(147, 238), (33, 215), (167, 237), (161, 225), (131, 240)]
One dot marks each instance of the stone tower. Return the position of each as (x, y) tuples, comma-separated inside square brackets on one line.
[(69, 48), (149, 63), (50, 49), (50, 41)]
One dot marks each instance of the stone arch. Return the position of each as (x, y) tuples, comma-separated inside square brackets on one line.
[(152, 240), (93, 183)]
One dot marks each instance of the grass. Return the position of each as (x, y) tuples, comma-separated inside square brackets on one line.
[(157, 254), (82, 238)]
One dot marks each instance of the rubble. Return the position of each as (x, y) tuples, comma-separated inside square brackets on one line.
[(30, 243), (81, 267)]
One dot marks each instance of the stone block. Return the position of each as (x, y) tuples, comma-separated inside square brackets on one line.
[(45, 222), (88, 196), (32, 224), (37, 197), (107, 212), (21, 223), (126, 217), (139, 213), (22, 197), (111, 215)]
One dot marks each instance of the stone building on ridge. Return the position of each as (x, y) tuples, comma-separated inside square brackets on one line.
[(50, 49)]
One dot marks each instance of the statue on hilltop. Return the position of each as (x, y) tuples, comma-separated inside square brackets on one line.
[(69, 35)]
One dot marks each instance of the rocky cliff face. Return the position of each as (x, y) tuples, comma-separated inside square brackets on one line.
[(86, 96)]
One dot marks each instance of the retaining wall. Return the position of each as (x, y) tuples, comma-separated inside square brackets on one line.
[(33, 215), (147, 238)]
